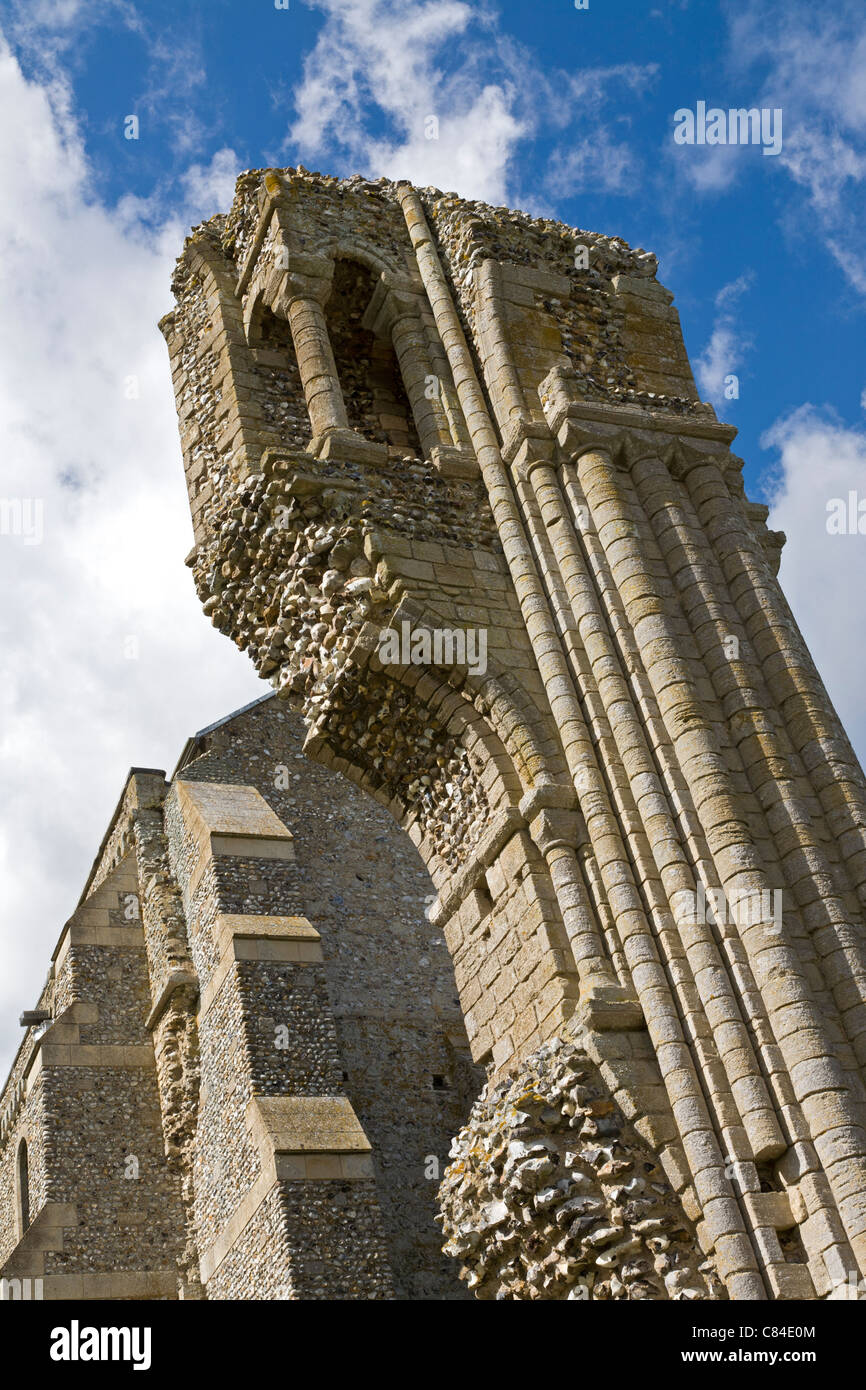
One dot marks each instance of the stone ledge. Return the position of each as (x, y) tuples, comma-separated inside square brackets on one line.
[(231, 819), (291, 940), (253, 927), (562, 406), (231, 809), (347, 446), (118, 1285), (86, 934), (118, 1055), (295, 952), (454, 462), (252, 846), (306, 1125), (299, 1139), (609, 1008), (318, 1167)]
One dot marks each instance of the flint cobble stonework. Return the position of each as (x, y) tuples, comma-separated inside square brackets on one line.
[(374, 1018), (404, 412)]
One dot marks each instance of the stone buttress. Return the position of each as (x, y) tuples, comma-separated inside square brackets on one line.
[(224, 1100)]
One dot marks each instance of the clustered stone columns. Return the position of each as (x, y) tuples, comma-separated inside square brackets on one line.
[(661, 860), (772, 765), (806, 1051), (594, 969), (653, 952), (817, 741)]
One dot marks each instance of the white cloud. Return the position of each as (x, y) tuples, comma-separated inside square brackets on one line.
[(397, 58), (595, 164), (809, 62), (724, 353), (163, 81), (53, 30), (814, 68), (819, 459), (471, 152), (210, 188), (710, 168), (83, 286), (385, 54)]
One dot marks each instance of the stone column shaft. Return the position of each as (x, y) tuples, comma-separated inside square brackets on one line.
[(660, 859), (416, 368), (740, 689), (316, 364), (508, 402), (818, 1078), (796, 687)]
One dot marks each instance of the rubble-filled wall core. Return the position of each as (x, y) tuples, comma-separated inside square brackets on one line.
[(551, 1195), (453, 491)]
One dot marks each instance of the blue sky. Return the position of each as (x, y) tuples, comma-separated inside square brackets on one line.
[(582, 130), (565, 112)]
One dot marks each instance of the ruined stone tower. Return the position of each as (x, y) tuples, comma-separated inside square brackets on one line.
[(453, 491)]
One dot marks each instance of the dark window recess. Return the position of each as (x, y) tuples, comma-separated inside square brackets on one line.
[(367, 367), (24, 1186), (280, 392)]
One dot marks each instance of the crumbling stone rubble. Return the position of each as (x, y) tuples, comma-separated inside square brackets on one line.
[(552, 1195)]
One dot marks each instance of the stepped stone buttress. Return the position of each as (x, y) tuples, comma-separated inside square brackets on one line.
[(453, 491)]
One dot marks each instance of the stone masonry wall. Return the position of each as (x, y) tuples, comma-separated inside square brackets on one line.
[(647, 729), (639, 829), (104, 1207), (401, 1054)]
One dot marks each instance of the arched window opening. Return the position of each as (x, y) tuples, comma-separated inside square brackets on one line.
[(367, 367), (281, 393), (23, 1187)]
